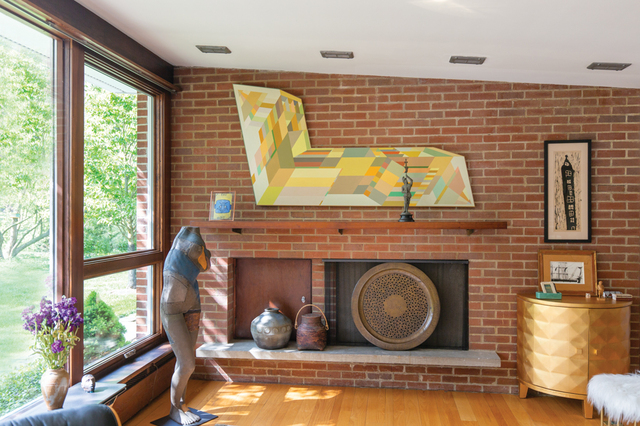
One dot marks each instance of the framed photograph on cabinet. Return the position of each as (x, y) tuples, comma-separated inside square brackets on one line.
[(548, 287), (570, 271), (567, 191), (223, 205)]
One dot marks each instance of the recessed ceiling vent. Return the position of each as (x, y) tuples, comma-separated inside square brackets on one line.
[(214, 49), (608, 66), (334, 54), (469, 60)]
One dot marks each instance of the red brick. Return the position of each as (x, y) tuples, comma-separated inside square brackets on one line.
[(499, 127)]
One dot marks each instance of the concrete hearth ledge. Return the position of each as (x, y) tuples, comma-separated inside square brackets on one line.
[(247, 349)]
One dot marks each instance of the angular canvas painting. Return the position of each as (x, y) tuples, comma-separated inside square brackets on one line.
[(286, 171)]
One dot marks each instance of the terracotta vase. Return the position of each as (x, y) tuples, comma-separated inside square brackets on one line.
[(311, 333), (54, 384)]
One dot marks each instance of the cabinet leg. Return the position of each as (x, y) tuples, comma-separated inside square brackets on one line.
[(587, 409), (524, 389)]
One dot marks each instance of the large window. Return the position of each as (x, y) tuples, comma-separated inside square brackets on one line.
[(118, 191), (27, 204), (119, 211), (82, 200)]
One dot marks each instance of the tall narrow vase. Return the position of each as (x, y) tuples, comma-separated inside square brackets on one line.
[(54, 384)]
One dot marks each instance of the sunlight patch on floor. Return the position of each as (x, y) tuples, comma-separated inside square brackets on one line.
[(297, 394)]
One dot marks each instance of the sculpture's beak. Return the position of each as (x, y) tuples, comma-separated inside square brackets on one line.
[(204, 259)]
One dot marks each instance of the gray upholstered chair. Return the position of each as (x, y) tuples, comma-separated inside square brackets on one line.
[(93, 414)]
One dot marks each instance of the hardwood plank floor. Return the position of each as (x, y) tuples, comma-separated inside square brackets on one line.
[(251, 404)]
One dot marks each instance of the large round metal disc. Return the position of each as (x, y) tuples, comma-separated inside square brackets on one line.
[(395, 306)]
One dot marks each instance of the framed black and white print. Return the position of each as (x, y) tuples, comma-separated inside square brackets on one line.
[(567, 191)]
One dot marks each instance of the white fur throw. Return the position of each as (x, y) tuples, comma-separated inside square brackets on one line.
[(618, 394)]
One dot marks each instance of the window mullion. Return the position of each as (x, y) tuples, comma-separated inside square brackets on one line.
[(60, 190), (74, 166)]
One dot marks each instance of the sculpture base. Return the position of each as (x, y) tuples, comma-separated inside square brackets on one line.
[(204, 418), (406, 217)]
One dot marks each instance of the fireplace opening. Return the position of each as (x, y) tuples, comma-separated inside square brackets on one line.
[(450, 277)]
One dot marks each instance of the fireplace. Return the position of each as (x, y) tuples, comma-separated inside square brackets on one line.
[(449, 277), (286, 284), (440, 363)]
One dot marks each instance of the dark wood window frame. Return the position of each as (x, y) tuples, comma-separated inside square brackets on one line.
[(72, 51), (154, 256)]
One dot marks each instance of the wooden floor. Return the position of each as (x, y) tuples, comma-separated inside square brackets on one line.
[(288, 405)]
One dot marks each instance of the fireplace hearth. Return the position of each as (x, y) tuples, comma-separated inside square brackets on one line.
[(238, 358)]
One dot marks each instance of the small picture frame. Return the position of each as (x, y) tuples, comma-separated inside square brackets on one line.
[(570, 271), (567, 191), (548, 287), (222, 205)]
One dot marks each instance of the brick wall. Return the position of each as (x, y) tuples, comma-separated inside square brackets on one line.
[(499, 127), (143, 275)]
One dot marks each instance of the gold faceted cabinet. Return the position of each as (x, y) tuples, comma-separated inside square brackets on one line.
[(563, 343), (395, 306)]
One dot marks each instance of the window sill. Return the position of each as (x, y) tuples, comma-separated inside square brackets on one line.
[(76, 397), (135, 370), (109, 387)]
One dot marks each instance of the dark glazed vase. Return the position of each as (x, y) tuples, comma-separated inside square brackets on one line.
[(271, 329)]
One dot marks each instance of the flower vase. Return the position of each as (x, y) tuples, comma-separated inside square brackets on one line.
[(54, 384)]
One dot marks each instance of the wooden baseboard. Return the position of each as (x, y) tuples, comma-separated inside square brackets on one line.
[(142, 393)]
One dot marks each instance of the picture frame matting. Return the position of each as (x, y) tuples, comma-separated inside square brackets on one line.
[(567, 191)]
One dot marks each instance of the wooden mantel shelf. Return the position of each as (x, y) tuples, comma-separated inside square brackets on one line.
[(340, 226)]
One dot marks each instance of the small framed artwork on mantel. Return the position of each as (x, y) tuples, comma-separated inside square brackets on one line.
[(567, 191), (222, 206)]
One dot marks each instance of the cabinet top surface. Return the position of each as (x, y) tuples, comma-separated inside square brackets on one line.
[(576, 302)]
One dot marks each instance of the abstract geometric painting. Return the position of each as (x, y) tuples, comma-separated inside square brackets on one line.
[(286, 171)]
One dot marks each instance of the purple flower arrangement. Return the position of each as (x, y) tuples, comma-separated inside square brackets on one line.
[(55, 327)]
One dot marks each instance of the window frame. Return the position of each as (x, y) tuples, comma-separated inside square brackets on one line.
[(154, 256), (72, 50)]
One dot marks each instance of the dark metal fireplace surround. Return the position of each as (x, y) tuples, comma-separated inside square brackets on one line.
[(450, 277)]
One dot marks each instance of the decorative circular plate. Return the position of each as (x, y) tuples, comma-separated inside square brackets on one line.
[(395, 306)]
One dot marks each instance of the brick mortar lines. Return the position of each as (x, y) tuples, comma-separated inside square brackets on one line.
[(369, 375), (499, 127)]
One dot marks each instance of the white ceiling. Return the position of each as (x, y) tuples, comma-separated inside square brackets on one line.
[(536, 41)]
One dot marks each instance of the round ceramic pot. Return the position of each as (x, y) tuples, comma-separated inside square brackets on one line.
[(54, 384), (271, 329)]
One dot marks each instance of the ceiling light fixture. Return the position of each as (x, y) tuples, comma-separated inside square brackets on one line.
[(214, 49), (469, 60), (334, 54), (608, 66)]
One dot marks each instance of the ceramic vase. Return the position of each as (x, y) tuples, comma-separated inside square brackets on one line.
[(271, 329), (54, 384)]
